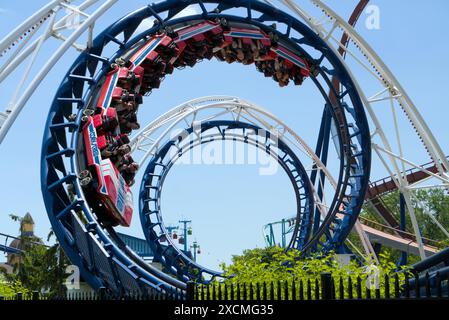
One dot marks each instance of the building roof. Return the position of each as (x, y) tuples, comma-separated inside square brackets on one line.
[(27, 218)]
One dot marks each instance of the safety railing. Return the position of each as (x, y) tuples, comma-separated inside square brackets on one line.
[(328, 287)]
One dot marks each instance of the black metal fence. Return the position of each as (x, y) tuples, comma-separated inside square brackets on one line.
[(324, 287), (103, 295), (327, 287)]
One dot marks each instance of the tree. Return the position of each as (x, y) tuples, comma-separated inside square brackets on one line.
[(426, 202), (43, 269), (9, 289), (274, 264), (39, 268)]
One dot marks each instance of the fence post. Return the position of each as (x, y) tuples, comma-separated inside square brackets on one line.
[(317, 289), (407, 286), (202, 292), (176, 294), (387, 286), (359, 288), (286, 295), (190, 291), (232, 291), (35, 296), (258, 295), (368, 292), (397, 293), (417, 287), (447, 286), (2, 298), (341, 287), (428, 292), (438, 281), (350, 292), (326, 286), (309, 290), (377, 293), (102, 294), (19, 296), (238, 292)]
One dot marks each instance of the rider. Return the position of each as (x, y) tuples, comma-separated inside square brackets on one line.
[(128, 122), (117, 142), (128, 169)]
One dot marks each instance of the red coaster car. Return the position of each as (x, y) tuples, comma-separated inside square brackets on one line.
[(112, 196)]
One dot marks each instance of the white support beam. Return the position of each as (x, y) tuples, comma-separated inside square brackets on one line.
[(411, 210), (407, 104), (29, 23), (17, 107), (15, 60)]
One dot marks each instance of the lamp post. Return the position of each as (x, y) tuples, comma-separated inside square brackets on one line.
[(196, 249)]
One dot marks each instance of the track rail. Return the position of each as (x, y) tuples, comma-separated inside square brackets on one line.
[(413, 175), (217, 130), (103, 260), (5, 238)]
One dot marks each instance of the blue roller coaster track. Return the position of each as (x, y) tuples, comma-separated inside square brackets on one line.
[(103, 258), (160, 165), (5, 247), (16, 249)]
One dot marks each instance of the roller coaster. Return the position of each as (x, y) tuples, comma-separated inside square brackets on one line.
[(94, 145)]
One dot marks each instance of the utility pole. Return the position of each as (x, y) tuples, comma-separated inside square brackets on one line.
[(284, 243), (196, 247), (185, 223)]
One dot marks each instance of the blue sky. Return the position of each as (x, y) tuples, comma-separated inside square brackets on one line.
[(230, 204)]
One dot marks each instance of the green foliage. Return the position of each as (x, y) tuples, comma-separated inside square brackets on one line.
[(39, 268), (274, 265), (433, 201), (9, 289), (43, 269)]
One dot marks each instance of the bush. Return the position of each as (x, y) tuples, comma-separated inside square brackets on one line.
[(9, 290), (274, 265)]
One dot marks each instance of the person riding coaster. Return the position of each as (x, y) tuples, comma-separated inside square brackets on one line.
[(131, 78), (128, 122), (128, 169)]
